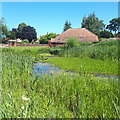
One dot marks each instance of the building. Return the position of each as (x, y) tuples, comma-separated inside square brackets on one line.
[(82, 34), (13, 42)]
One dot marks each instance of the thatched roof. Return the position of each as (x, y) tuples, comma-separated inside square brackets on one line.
[(82, 34)]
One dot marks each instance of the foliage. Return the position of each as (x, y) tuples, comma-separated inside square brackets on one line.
[(118, 34), (72, 42), (12, 34), (3, 29), (45, 38), (67, 26), (105, 34), (27, 32), (20, 27), (25, 42), (58, 96), (93, 24), (23, 32), (107, 50), (114, 25)]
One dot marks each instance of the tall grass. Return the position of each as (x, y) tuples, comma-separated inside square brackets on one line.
[(104, 51), (26, 96)]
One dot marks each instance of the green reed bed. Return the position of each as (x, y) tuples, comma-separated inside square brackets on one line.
[(58, 96), (103, 51)]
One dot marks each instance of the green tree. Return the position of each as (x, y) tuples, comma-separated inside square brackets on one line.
[(105, 34), (93, 24), (114, 25), (12, 34), (3, 29), (45, 38), (67, 25)]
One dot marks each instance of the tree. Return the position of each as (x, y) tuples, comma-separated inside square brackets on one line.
[(28, 32), (67, 25), (45, 38), (105, 34), (3, 29), (93, 24), (12, 34), (114, 25), (19, 29), (20, 26)]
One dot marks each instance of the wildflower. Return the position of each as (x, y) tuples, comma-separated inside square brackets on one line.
[(22, 107), (24, 98)]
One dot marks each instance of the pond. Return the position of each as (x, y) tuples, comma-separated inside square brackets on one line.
[(42, 68)]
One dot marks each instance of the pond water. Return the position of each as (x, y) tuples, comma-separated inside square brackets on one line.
[(107, 76), (42, 68)]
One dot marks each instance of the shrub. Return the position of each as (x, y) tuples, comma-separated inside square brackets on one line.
[(72, 42), (25, 42)]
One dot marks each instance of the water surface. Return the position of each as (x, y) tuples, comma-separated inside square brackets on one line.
[(42, 68)]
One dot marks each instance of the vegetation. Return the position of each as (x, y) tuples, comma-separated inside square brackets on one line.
[(25, 42), (106, 34), (3, 29), (85, 65), (93, 24), (74, 93), (114, 25), (58, 96), (72, 42), (107, 50), (29, 33), (45, 38), (67, 26)]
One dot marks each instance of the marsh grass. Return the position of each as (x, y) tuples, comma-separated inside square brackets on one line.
[(101, 51), (27, 96), (85, 65)]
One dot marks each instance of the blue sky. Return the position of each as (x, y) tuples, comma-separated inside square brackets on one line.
[(59, 0), (51, 16)]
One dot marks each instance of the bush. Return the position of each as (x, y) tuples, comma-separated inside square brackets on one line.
[(72, 42), (25, 42)]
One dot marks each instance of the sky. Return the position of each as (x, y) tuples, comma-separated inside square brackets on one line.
[(60, 0), (51, 16)]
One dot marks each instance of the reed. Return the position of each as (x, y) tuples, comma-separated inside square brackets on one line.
[(58, 96)]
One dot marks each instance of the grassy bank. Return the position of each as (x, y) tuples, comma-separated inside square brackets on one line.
[(88, 65)]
